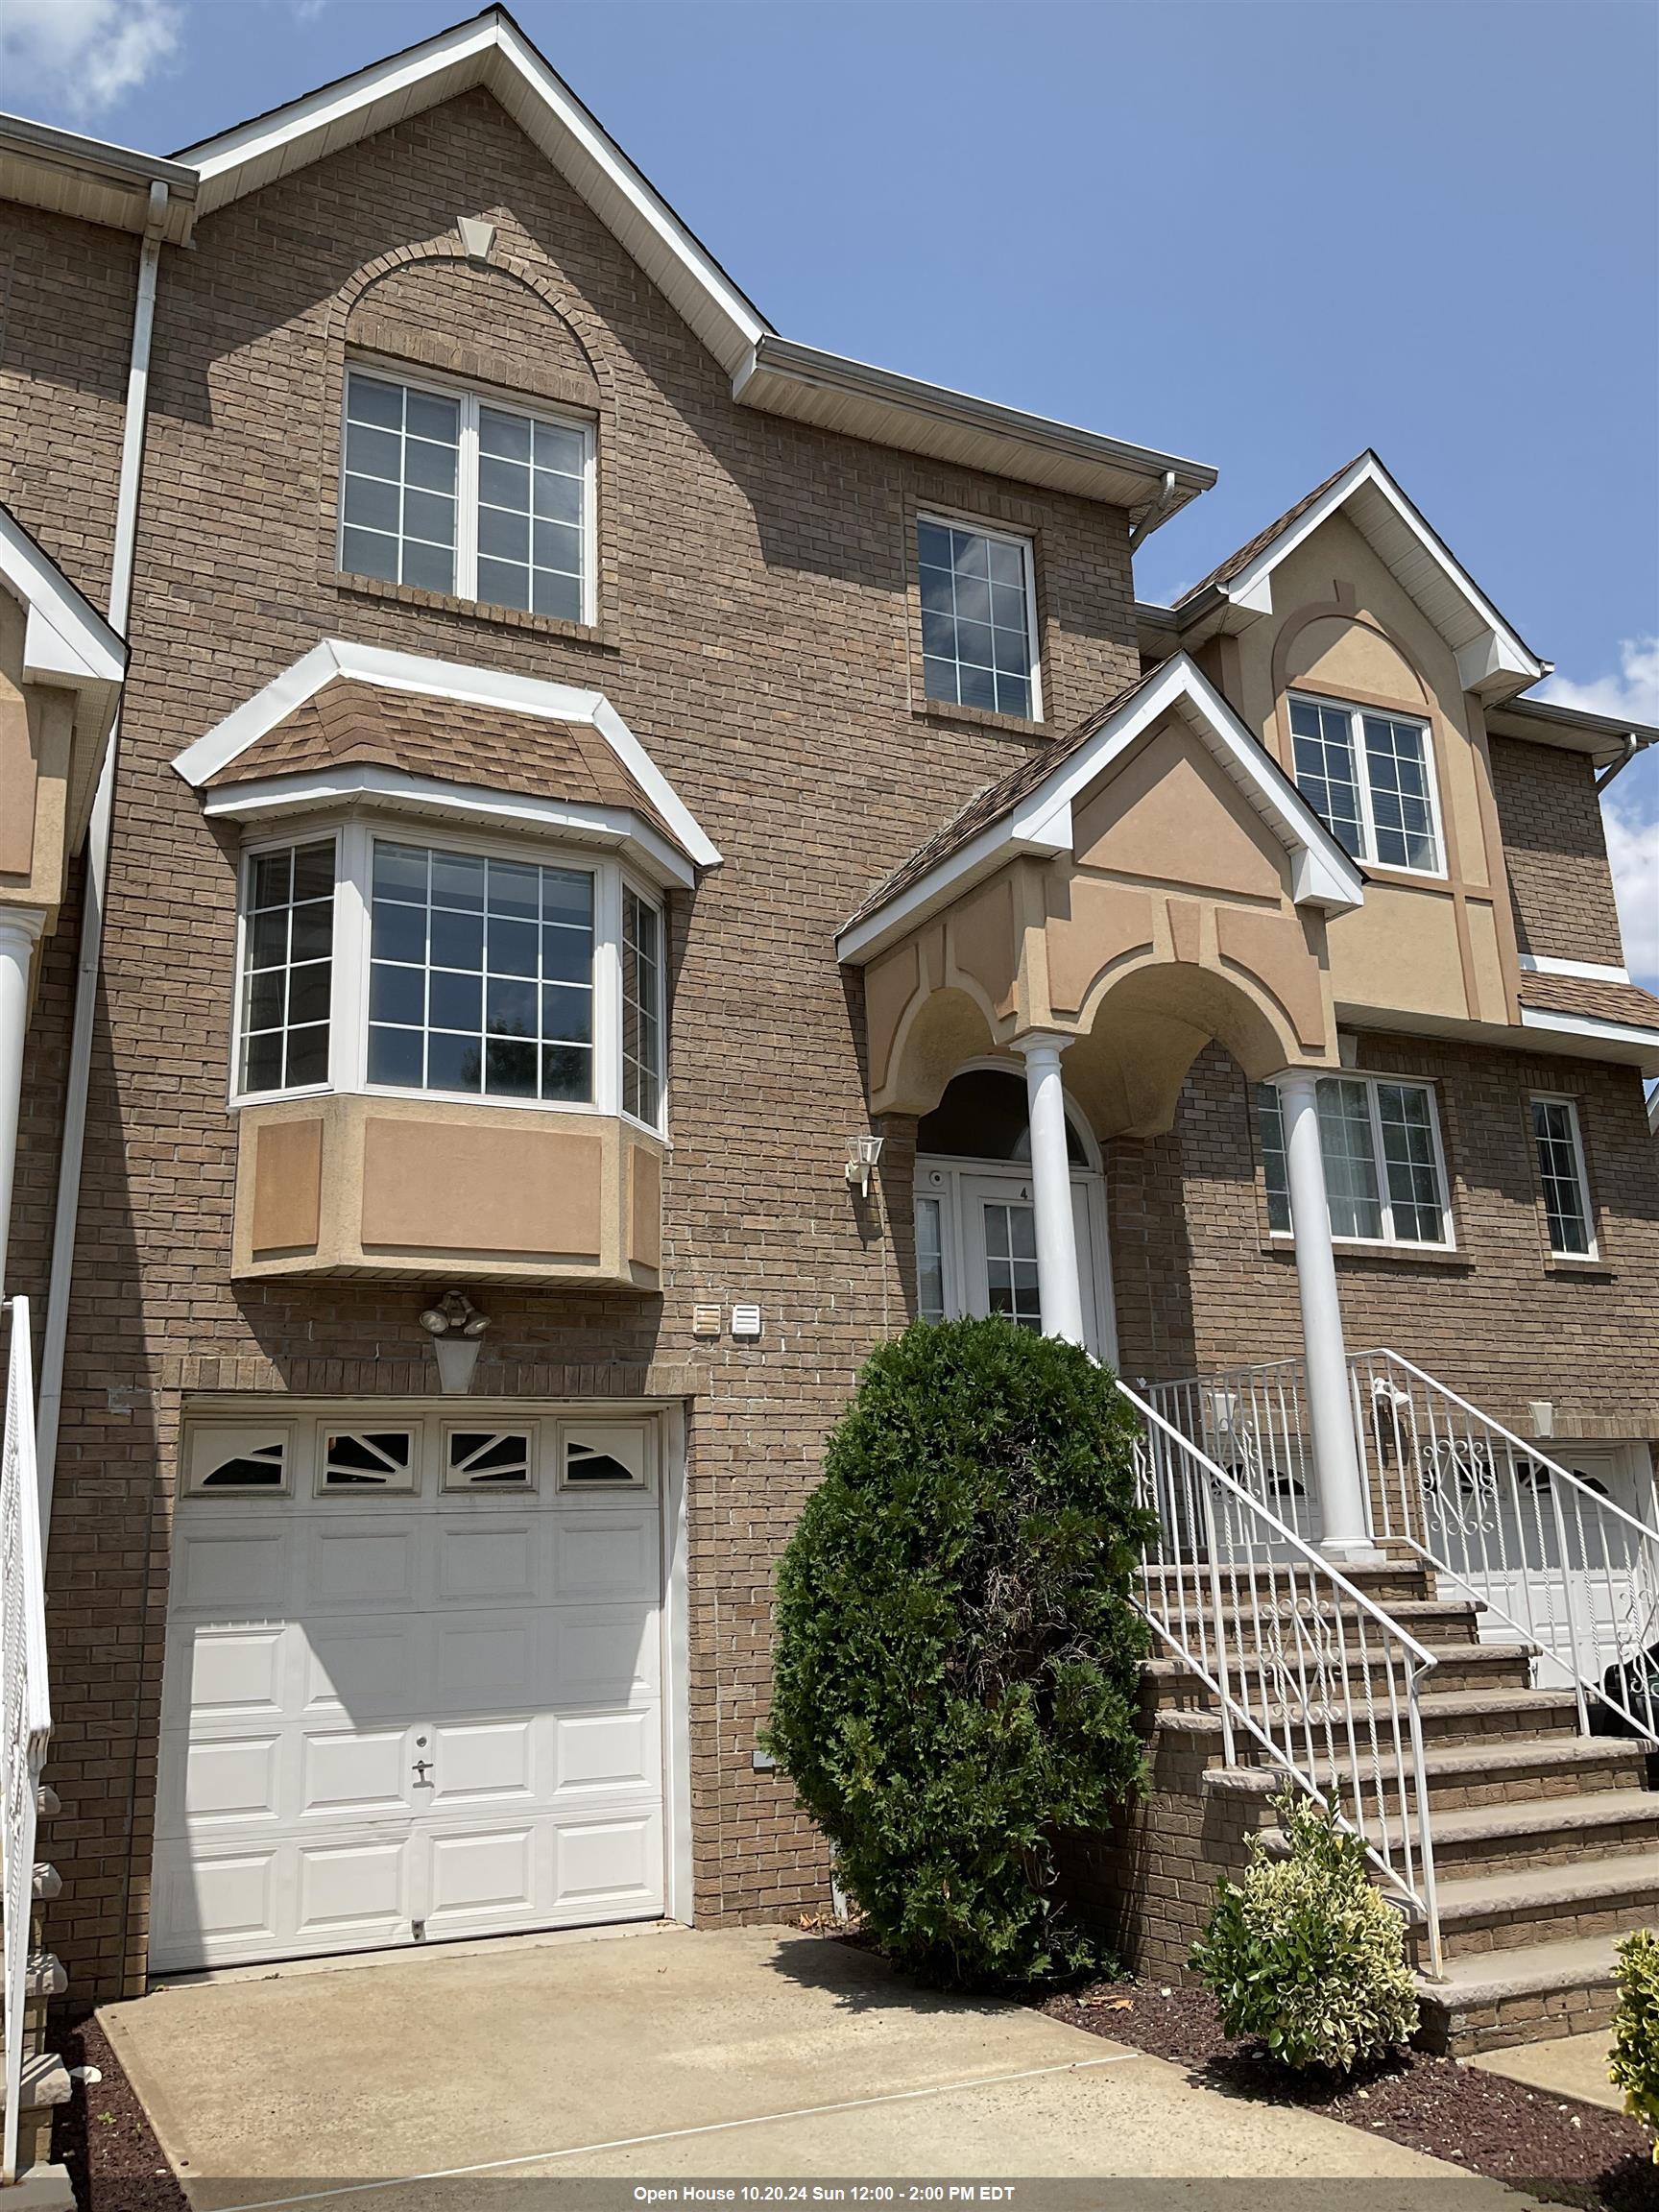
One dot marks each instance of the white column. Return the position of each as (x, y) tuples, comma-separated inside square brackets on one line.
[(1330, 1405), (19, 927), (1058, 1286)]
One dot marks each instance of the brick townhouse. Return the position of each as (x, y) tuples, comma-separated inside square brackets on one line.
[(514, 776)]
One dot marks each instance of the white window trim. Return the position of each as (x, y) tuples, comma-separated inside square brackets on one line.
[(1355, 714), (648, 899), (941, 520), (1580, 1168), (354, 840), (472, 397), (1389, 1242)]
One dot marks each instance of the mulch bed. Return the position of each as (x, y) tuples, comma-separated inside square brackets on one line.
[(105, 2139), (1557, 2148)]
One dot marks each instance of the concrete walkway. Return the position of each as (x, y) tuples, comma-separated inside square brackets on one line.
[(594, 2065), (1568, 2066)]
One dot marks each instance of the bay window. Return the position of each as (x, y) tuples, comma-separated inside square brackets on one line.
[(1384, 1172), (374, 960), (1369, 776)]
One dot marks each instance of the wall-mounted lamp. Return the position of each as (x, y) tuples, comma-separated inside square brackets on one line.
[(455, 1326), (862, 1154)]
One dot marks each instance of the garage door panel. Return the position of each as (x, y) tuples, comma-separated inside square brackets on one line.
[(237, 1674), (232, 1573), (608, 1751), (483, 1875), (357, 1890), (487, 1660), (369, 1669), (608, 1861), (600, 1555), (203, 1901), (362, 1563), (482, 1562), (490, 1759), (604, 1654), (354, 1773), (410, 1716)]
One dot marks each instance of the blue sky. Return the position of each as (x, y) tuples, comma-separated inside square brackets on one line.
[(1261, 234)]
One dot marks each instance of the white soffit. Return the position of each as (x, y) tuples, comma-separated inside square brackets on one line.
[(389, 671), (491, 50), (1491, 656), (1041, 822), (67, 641), (91, 179)]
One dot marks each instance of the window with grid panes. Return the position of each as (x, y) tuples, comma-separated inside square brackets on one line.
[(641, 1008), (1384, 1180), (1368, 777), (287, 967), (1560, 1152), (978, 623)]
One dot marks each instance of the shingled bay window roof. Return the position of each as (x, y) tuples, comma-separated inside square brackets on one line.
[(352, 722)]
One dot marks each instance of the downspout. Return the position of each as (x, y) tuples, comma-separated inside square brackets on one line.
[(96, 878), (1633, 744), (1152, 515)]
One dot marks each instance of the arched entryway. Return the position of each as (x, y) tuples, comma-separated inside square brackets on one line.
[(975, 1208)]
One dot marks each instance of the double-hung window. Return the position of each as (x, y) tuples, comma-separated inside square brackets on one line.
[(287, 967), (1384, 1173), (978, 619), (451, 968), (1369, 776), (465, 496), (1559, 1145)]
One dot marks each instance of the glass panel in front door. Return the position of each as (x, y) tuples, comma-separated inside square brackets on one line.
[(1011, 1263)]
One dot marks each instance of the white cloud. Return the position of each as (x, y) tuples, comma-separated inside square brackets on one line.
[(85, 54), (1634, 691), (1633, 848), (1631, 810)]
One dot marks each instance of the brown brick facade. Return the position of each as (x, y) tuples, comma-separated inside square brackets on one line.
[(757, 629), (1561, 887)]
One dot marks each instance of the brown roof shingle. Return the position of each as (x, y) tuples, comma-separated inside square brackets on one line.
[(1588, 995), (1237, 562), (451, 740)]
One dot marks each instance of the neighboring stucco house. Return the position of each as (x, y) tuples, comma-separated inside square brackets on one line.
[(586, 766)]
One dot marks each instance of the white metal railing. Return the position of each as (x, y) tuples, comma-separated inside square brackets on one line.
[(1547, 1551), (1253, 1421), (24, 1699), (1298, 1658)]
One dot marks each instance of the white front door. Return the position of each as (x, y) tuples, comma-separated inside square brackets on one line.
[(414, 1681), (977, 1240)]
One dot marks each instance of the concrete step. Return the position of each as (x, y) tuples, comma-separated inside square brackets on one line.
[(1492, 1916), (1488, 1716), (1531, 1995), (45, 2081), (1498, 1840), (1395, 1580), (1509, 1772), (48, 1882), (1169, 1681), (47, 1803), (1432, 1621)]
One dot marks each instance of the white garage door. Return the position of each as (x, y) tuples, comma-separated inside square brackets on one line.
[(413, 1684)]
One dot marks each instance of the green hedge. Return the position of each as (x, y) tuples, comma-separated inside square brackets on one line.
[(957, 1658)]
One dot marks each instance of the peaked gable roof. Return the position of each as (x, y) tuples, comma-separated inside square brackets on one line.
[(489, 50), (1492, 656), (67, 641), (440, 722), (1029, 810)]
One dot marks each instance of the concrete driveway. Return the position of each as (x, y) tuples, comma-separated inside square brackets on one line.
[(579, 2071)]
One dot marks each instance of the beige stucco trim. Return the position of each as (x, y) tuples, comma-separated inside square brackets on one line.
[(356, 1185)]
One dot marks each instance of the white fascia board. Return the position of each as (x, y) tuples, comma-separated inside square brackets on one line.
[(1586, 971), (1593, 1029), (487, 51), (993, 848), (1322, 874), (274, 797), (66, 641), (1497, 654), (388, 670)]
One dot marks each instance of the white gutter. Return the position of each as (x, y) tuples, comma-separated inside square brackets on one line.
[(95, 882)]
